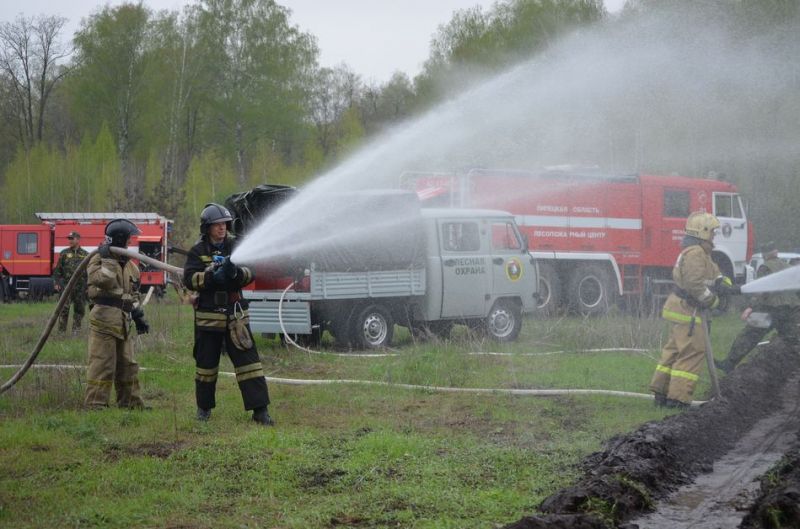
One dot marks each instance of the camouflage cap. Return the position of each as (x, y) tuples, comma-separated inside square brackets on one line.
[(73, 235), (769, 247)]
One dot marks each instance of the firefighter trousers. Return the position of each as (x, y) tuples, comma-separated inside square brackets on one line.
[(111, 362), (682, 358), (246, 362), (786, 320), (78, 302)]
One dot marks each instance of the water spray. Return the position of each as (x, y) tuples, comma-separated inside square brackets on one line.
[(784, 281)]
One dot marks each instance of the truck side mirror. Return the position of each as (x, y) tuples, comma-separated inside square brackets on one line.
[(525, 243)]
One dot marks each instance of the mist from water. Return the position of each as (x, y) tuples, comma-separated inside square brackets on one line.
[(785, 280), (662, 93)]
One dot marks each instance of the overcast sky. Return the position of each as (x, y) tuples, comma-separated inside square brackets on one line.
[(375, 37)]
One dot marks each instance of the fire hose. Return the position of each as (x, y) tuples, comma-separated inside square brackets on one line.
[(64, 299), (179, 271)]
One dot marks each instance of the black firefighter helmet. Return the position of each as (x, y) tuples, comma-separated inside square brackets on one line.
[(120, 230), (212, 214)]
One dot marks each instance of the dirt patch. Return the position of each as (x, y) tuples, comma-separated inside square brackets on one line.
[(778, 505), (158, 450), (623, 480)]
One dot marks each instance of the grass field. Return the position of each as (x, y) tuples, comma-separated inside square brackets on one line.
[(341, 455)]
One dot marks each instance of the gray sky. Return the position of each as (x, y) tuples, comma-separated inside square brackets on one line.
[(375, 37)]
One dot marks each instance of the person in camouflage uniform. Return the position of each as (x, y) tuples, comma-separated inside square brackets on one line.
[(698, 285), (113, 296), (68, 261), (782, 307)]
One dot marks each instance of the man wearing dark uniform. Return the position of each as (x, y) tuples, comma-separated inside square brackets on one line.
[(68, 261), (222, 319), (114, 297)]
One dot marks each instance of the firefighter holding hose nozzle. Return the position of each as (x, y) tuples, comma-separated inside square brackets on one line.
[(698, 288), (113, 297), (221, 318)]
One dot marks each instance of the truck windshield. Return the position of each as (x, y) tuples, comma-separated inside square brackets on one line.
[(727, 205)]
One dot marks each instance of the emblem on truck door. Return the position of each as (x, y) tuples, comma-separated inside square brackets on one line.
[(514, 269)]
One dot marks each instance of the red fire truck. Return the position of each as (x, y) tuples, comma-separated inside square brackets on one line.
[(596, 237), (29, 252)]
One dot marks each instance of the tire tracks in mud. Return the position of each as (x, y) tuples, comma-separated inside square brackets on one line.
[(634, 471)]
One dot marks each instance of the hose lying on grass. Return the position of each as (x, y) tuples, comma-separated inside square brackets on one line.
[(176, 270), (436, 389)]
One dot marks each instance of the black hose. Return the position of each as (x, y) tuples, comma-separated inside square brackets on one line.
[(50, 324)]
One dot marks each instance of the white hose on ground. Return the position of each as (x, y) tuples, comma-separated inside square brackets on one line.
[(435, 389)]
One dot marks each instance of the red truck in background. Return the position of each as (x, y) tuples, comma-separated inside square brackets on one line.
[(598, 238), (29, 252)]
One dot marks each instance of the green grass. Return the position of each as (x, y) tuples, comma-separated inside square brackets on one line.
[(343, 455)]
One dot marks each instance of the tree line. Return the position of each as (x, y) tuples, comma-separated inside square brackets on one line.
[(165, 111)]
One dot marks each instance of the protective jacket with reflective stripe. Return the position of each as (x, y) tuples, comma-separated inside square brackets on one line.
[(693, 273), (215, 301), (112, 279)]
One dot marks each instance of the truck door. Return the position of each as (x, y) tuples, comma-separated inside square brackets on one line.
[(732, 236), (509, 265), (466, 268), (664, 211)]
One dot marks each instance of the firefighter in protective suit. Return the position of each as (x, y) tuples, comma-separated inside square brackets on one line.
[(698, 286), (113, 297), (784, 315), (221, 318)]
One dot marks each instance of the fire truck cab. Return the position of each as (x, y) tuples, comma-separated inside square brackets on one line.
[(598, 238), (29, 252)]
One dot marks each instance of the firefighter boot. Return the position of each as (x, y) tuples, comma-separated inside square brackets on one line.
[(723, 365), (660, 400), (76, 323), (261, 416), (203, 414)]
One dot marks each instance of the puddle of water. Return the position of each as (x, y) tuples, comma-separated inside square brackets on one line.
[(719, 499)]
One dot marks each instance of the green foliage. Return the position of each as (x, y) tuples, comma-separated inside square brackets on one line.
[(475, 42)]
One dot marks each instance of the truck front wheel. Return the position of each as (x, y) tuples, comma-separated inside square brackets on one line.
[(372, 327), (504, 321)]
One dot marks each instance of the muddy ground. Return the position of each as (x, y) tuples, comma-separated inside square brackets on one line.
[(634, 470)]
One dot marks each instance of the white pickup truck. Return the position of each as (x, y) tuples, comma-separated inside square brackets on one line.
[(465, 266)]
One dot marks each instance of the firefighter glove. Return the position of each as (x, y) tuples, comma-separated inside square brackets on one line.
[(724, 287), (104, 250), (710, 303), (142, 327), (229, 267)]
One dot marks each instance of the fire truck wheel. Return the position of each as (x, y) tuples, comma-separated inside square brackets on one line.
[(590, 290), (372, 327), (549, 289), (504, 321)]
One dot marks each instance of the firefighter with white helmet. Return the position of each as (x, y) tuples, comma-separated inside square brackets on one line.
[(698, 286), (221, 318), (113, 297)]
